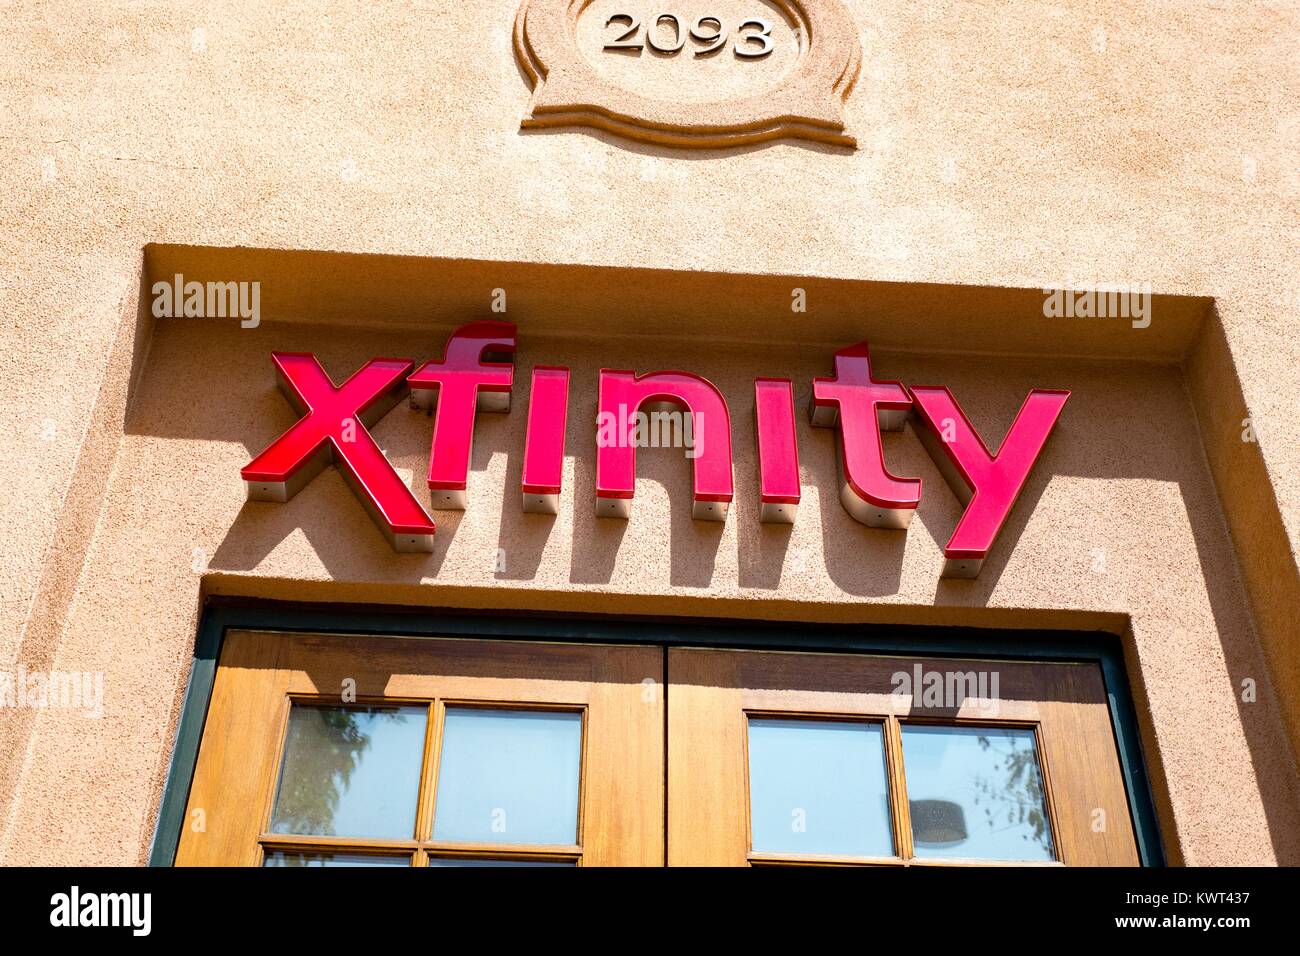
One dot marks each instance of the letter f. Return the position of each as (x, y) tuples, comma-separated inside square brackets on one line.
[(462, 382)]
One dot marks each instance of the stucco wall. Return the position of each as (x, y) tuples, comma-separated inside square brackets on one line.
[(1001, 145), (1118, 523)]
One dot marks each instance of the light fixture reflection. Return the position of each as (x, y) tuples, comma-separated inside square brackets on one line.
[(937, 824)]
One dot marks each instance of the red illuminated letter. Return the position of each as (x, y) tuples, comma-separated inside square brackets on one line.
[(706, 433), (462, 382), (778, 450), (548, 414), (986, 484), (863, 408), (333, 428)]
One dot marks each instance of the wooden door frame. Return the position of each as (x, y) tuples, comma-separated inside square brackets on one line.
[(1099, 647)]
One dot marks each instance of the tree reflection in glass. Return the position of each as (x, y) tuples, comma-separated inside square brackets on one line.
[(976, 792), (350, 771)]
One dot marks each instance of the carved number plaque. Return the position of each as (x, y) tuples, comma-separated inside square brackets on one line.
[(616, 73)]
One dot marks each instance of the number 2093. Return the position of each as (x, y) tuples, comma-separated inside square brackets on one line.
[(752, 38)]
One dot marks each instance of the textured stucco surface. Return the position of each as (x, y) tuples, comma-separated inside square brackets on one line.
[(1115, 522), (1022, 144)]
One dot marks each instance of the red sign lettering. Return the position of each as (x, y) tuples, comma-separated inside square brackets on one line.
[(986, 484), (862, 407), (334, 429), (633, 410), (456, 386)]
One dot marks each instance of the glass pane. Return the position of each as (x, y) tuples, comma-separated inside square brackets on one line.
[(976, 792), (818, 786), (465, 861), (509, 776), (297, 858), (350, 771)]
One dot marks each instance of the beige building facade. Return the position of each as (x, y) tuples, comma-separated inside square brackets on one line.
[(378, 172)]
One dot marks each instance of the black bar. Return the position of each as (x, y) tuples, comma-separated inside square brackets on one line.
[(811, 907)]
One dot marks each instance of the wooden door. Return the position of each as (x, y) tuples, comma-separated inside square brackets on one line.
[(333, 749), (822, 758)]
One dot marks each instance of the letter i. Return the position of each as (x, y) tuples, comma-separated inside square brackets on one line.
[(548, 409), (778, 450)]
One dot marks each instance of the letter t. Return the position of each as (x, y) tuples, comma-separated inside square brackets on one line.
[(863, 407)]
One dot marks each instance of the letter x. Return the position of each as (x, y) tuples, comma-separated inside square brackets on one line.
[(334, 429)]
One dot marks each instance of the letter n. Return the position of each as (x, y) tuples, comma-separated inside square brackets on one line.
[(710, 429)]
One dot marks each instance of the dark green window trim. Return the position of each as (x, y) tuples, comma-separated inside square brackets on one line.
[(1085, 647)]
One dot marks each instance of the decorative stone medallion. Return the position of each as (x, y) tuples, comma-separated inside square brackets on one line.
[(730, 73)]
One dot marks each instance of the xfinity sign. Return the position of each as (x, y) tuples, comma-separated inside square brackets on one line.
[(476, 373)]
